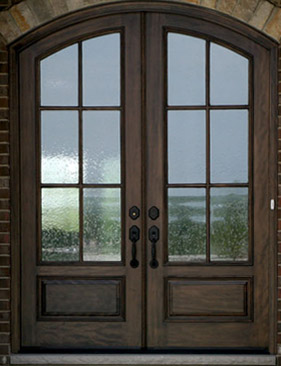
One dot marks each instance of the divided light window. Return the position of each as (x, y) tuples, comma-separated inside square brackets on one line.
[(80, 149), (208, 178)]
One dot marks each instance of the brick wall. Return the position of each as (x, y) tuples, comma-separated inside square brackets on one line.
[(4, 170)]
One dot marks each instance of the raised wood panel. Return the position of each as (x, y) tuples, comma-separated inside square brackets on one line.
[(74, 297), (215, 299)]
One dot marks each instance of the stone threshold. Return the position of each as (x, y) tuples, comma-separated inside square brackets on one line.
[(138, 359)]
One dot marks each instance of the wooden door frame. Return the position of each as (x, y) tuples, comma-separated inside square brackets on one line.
[(187, 10)]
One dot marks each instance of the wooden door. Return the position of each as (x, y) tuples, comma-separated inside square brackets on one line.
[(144, 186), (207, 173), (79, 129)]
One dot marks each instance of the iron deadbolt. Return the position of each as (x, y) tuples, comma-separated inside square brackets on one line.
[(153, 213), (134, 212)]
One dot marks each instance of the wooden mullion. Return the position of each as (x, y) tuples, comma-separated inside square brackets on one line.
[(208, 152), (206, 107), (80, 107), (80, 103)]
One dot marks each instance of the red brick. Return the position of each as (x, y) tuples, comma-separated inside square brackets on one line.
[(5, 294), (5, 327), (4, 272), (5, 338), (4, 316), (4, 349), (4, 91), (4, 171), (4, 238), (4, 215), (4, 227), (4, 193), (5, 260), (4, 148), (3, 56), (5, 249), (4, 160), (4, 68), (5, 283), (4, 102), (4, 125), (4, 136), (4, 305), (4, 204), (4, 80), (4, 183)]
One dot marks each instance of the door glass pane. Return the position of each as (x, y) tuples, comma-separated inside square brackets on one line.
[(59, 78), (102, 224), (59, 146), (229, 146), (229, 224), (101, 71), (60, 224), (101, 146), (229, 76), (186, 70), (186, 147), (187, 224)]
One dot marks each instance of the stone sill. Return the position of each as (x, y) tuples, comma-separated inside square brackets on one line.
[(138, 359)]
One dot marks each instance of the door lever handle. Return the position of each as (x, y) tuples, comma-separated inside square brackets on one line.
[(153, 234), (134, 235)]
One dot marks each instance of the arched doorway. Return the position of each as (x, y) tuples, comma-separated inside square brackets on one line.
[(145, 185)]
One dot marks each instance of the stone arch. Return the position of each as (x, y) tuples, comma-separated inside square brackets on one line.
[(28, 15)]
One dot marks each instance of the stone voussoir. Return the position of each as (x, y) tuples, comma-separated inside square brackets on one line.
[(29, 14), (261, 14)]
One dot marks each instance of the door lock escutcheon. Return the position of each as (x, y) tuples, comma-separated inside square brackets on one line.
[(134, 212), (134, 236), (153, 235), (153, 213)]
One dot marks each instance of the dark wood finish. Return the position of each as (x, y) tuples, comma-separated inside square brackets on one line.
[(75, 298), (208, 299), (160, 334), (118, 303), (226, 333)]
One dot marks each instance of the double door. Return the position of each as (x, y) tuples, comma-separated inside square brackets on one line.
[(144, 187)]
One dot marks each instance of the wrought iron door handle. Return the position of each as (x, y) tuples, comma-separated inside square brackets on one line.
[(134, 235), (153, 235)]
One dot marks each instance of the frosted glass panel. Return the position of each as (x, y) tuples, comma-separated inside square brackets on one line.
[(229, 224), (59, 147), (229, 76), (102, 224), (186, 70), (187, 224), (187, 146), (101, 146), (101, 71), (229, 146), (60, 224), (59, 78)]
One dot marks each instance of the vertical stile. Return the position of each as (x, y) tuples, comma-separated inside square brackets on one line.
[(208, 159), (80, 104)]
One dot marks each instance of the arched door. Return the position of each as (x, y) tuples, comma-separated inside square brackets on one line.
[(145, 186)]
